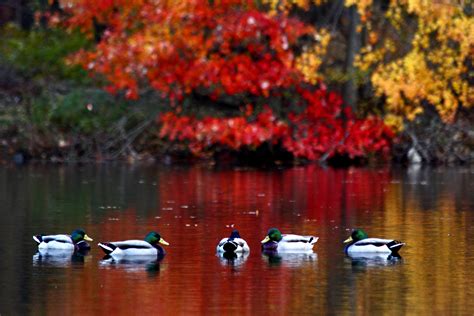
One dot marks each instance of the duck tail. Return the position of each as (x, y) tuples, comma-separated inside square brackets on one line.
[(38, 238), (107, 247), (230, 246), (395, 246)]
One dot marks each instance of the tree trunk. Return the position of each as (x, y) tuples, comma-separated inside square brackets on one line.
[(353, 46)]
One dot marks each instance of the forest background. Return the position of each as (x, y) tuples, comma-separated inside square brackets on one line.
[(254, 82)]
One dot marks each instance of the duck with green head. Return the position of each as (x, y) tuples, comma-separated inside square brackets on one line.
[(134, 247), (276, 241), (77, 241), (359, 242)]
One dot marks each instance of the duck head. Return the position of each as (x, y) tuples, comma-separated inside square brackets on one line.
[(234, 234), (272, 235), (357, 234), (79, 235), (154, 237)]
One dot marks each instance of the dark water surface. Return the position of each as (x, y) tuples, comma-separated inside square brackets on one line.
[(432, 210)]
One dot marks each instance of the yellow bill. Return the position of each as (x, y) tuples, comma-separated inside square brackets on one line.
[(163, 242), (348, 240), (87, 238), (265, 240)]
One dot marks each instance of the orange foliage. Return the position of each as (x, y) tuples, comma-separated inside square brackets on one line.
[(226, 50)]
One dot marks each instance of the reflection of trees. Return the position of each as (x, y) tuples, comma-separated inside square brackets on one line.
[(430, 211), (427, 209)]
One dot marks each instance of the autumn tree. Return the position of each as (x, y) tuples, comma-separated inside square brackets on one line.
[(419, 53), (257, 69), (410, 61)]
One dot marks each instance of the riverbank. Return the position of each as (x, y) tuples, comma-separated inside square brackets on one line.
[(63, 121)]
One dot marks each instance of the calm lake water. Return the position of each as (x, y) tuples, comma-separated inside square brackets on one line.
[(432, 210)]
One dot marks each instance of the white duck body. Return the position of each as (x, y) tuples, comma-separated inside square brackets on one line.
[(57, 242), (77, 241), (275, 241), (129, 248), (296, 243), (374, 245), (240, 245)]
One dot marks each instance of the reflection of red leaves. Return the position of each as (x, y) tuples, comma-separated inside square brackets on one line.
[(319, 130)]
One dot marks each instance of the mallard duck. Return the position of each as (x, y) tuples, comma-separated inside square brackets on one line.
[(126, 248), (77, 241), (359, 242), (234, 243), (275, 241)]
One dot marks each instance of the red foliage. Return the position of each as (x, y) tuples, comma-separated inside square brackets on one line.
[(228, 48), (221, 50), (320, 130)]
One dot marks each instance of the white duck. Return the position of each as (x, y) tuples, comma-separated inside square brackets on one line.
[(132, 248), (360, 243), (276, 241), (77, 241), (234, 243)]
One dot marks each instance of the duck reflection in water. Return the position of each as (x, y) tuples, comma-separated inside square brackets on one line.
[(150, 264), (234, 259), (289, 259), (59, 258), (363, 261)]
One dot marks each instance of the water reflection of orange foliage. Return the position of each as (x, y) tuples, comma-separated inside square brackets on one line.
[(433, 278), (432, 233)]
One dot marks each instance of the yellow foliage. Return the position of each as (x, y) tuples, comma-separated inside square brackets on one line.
[(285, 5), (311, 58), (434, 70), (395, 122), (362, 7)]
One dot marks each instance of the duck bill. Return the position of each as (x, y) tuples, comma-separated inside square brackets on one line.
[(348, 240), (267, 239), (87, 238), (163, 242)]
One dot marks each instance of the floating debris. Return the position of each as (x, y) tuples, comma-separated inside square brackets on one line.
[(108, 207)]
